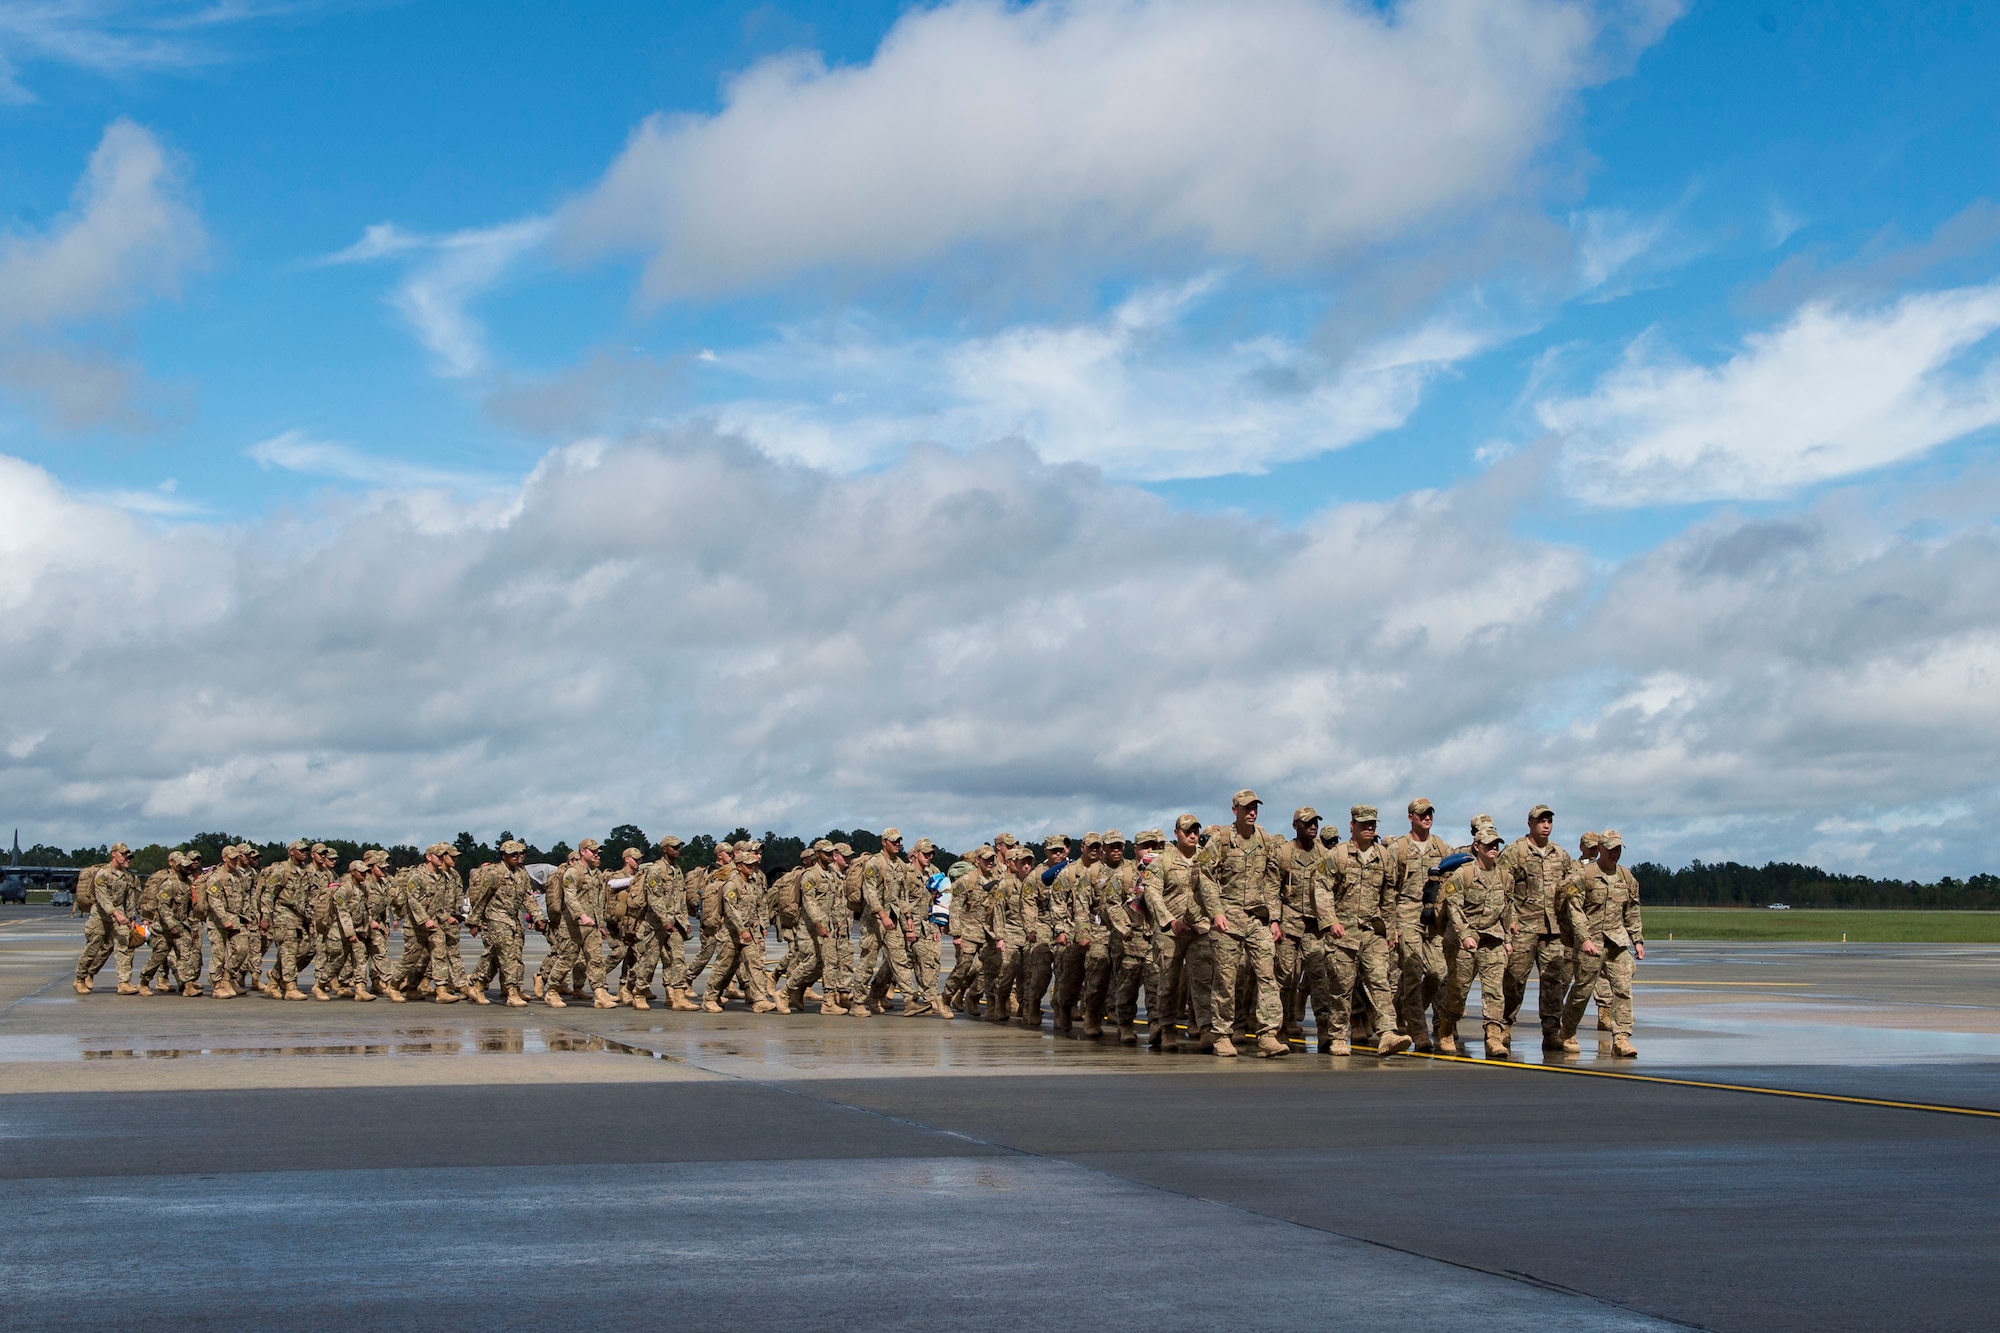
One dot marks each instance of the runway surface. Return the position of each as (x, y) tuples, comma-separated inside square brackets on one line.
[(250, 1161)]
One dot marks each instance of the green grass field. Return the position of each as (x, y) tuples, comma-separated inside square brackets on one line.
[(1859, 925)]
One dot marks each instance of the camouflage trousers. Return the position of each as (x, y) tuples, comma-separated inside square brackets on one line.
[(500, 959), (1419, 972), (1000, 969), (1549, 959), (895, 965), (823, 958), (228, 953), (741, 963), (162, 960), (1612, 968), (104, 938), (1131, 972), (289, 931), (1360, 960), (1303, 976), (1461, 968), (1227, 959), (1168, 1003), (1037, 970), (926, 962), (963, 987), (585, 947), (1083, 974), (798, 950), (711, 944), (345, 957), (1489, 961), (659, 950), (867, 957)]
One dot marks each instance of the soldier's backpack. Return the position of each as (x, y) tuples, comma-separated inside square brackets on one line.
[(485, 883), (198, 893), (322, 906), (855, 901), (552, 891), (785, 895), (86, 889), (711, 897)]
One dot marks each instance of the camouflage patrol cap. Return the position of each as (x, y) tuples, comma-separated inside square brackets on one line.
[(513, 847), (1329, 836), (357, 867), (634, 853), (1305, 814), (1150, 837), (375, 856), (924, 845), (1188, 822), (892, 834), (753, 846), (1538, 812), (1245, 797), (983, 852), (822, 846), (1588, 841), (1005, 840), (1422, 806), (297, 845), (1363, 814), (1609, 840), (118, 847), (175, 859), (1210, 830), (1055, 842), (321, 849), (671, 841), (1090, 839), (440, 849), (1479, 821), (1485, 835), (842, 849), (589, 845), (1113, 838)]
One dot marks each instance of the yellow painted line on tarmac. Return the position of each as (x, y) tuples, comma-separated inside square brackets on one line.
[(1782, 985), (1935, 1107)]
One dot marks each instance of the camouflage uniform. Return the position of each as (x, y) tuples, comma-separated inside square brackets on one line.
[(823, 916), (1300, 960), (924, 936), (1477, 903), (583, 897), (348, 906), (884, 896), (557, 974), (104, 935), (1537, 876), (739, 958), (1239, 884), (1080, 947), (1039, 960), (1420, 948), (1011, 928), (967, 928), (499, 895), (287, 885), (663, 893), (1601, 907), (223, 892), (160, 949), (1168, 888), (1361, 895)]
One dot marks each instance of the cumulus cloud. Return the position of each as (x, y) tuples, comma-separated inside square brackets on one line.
[(1837, 390), (1132, 392), (130, 235), (295, 451), (681, 631), (1288, 131), (446, 273)]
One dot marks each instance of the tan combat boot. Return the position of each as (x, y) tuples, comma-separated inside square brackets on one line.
[(642, 999), (191, 991), (80, 986), (127, 988), (1393, 1043), (363, 993), (1128, 1035), (1571, 1046), (144, 989), (319, 992), (857, 1007), (1335, 1046), (765, 1006), (1221, 1046), (601, 998), (1447, 1044), (555, 1001), (1623, 1048), (781, 1002), (1603, 1021), (681, 1002), (394, 993), (1270, 1046), (445, 995), (1496, 1044), (831, 1006), (711, 1005), (294, 993), (477, 994), (624, 996), (539, 984)]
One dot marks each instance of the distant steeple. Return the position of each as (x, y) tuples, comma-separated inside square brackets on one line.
[(17, 846)]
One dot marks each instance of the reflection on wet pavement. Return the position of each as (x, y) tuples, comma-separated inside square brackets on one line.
[(411, 1041)]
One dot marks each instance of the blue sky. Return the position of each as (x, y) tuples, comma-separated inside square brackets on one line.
[(1631, 277)]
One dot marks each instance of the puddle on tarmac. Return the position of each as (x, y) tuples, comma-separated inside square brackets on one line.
[(407, 1041)]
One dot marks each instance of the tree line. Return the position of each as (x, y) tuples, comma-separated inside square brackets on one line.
[(1730, 884)]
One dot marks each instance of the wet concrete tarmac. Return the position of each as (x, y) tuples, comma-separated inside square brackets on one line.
[(521, 1166)]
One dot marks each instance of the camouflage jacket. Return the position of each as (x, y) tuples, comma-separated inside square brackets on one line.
[(1361, 892), (1012, 920), (1476, 902), (665, 892), (1602, 907), (1239, 878), (1537, 876), (1168, 888)]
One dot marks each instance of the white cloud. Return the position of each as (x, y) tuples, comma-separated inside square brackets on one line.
[(446, 273), (1133, 392), (1288, 131), (1835, 391), (295, 451), (684, 633), (130, 235), (111, 37)]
